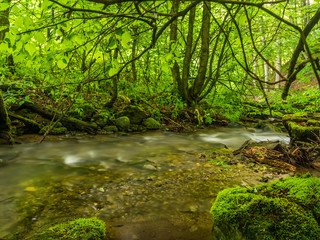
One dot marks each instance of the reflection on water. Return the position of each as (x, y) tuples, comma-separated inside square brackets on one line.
[(127, 180)]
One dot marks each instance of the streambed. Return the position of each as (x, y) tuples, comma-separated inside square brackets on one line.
[(144, 186)]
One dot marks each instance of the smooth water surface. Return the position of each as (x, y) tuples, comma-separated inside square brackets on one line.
[(144, 186)]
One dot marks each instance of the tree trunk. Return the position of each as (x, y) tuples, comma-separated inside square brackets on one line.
[(266, 67), (175, 70), (255, 70), (204, 53), (4, 22), (278, 65), (291, 76), (4, 123), (115, 79), (134, 49), (188, 57)]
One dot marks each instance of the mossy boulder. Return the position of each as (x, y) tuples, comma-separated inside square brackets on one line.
[(134, 113), (151, 124), (302, 127), (123, 123), (285, 209), (54, 131), (86, 229), (111, 129)]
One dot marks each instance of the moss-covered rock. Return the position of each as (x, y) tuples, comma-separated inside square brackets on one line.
[(123, 123), (151, 124), (286, 209), (54, 131), (134, 113), (111, 129), (85, 229)]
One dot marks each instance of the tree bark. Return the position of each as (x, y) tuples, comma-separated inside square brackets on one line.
[(175, 70), (278, 65), (188, 56), (69, 122), (204, 53), (266, 67), (291, 76), (5, 135)]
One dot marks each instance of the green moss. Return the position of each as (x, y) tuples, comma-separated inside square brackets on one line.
[(123, 123), (302, 133), (295, 118), (4, 119), (111, 129), (313, 122), (134, 113), (286, 209), (54, 131), (85, 229), (151, 124)]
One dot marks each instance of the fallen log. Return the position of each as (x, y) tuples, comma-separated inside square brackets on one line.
[(33, 126), (69, 122)]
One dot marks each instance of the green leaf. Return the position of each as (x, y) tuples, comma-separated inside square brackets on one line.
[(63, 62), (3, 28), (4, 6), (31, 49), (125, 39), (3, 46), (39, 36), (19, 22)]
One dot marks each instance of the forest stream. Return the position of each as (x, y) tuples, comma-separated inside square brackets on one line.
[(154, 185)]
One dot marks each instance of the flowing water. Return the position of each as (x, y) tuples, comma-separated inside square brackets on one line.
[(144, 186)]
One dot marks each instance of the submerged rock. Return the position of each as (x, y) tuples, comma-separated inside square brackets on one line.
[(123, 123), (90, 229), (285, 209)]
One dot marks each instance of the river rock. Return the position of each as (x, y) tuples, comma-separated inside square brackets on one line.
[(82, 228), (285, 209), (134, 113), (151, 124), (111, 129), (123, 123)]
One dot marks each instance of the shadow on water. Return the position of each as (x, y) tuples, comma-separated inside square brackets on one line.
[(144, 186)]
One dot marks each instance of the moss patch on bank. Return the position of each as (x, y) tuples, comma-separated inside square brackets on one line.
[(86, 229), (286, 209)]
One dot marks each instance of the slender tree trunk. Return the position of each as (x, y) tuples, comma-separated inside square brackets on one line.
[(255, 70), (266, 67), (278, 65), (204, 53), (188, 56), (291, 76), (175, 70), (134, 49), (115, 79)]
